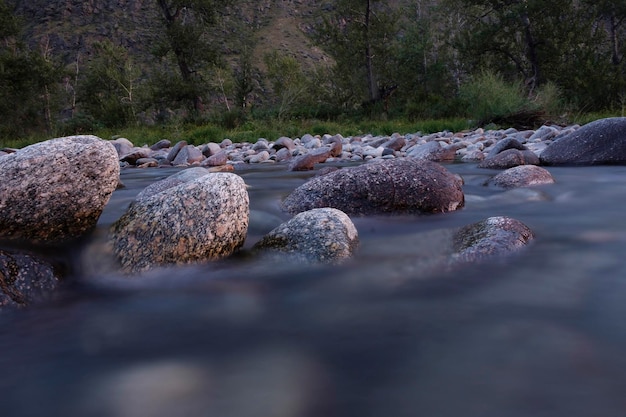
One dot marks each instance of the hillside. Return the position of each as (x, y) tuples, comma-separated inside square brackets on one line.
[(68, 28)]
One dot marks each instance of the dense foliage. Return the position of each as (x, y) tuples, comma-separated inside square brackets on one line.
[(490, 61)]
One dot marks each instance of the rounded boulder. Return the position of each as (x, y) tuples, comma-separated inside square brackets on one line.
[(203, 219), (55, 190), (387, 186), (522, 176)]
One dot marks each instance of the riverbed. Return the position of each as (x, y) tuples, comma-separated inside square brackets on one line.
[(540, 333)]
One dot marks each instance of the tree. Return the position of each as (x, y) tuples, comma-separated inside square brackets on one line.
[(359, 35), (186, 37), (108, 87), (27, 81)]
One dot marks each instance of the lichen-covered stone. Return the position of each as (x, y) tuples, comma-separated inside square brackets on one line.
[(323, 235), (389, 186), (200, 220), (56, 190), (24, 279)]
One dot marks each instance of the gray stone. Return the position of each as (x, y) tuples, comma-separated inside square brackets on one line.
[(56, 190), (200, 220), (522, 176), (599, 142), (211, 149), (24, 279), (323, 235), (386, 186)]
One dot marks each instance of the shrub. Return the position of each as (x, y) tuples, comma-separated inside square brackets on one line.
[(489, 98)]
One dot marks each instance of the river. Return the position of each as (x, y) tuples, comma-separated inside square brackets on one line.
[(542, 333)]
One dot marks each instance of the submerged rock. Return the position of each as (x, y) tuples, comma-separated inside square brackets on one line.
[(56, 190), (492, 237), (599, 142), (323, 235), (203, 219), (24, 279), (388, 186)]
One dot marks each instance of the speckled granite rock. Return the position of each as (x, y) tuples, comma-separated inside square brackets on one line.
[(203, 219), (490, 238), (323, 235), (389, 186), (56, 190), (24, 279)]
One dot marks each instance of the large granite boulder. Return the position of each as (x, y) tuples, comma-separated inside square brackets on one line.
[(56, 190), (387, 186), (323, 235), (24, 279), (596, 143), (205, 218)]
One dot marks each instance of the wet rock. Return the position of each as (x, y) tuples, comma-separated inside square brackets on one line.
[(599, 142), (323, 235), (510, 158), (522, 176), (200, 220), (56, 190), (24, 279), (307, 161), (147, 163), (218, 159), (493, 237), (388, 186)]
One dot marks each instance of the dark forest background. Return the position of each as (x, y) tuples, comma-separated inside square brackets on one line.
[(75, 66)]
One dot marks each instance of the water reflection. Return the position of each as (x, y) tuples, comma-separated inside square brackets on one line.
[(538, 334)]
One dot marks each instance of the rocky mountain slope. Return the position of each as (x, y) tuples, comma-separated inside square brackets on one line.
[(68, 28)]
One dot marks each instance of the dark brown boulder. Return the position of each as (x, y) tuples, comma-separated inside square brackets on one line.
[(387, 186), (307, 162)]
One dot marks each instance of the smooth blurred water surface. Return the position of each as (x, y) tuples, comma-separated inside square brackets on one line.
[(539, 334)]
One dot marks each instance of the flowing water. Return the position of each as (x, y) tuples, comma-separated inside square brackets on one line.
[(542, 333)]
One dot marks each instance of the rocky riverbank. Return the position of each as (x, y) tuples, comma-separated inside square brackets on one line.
[(56, 190)]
